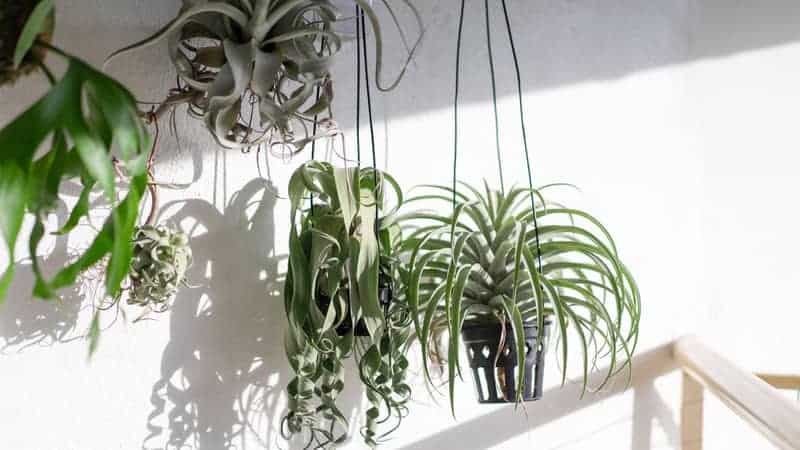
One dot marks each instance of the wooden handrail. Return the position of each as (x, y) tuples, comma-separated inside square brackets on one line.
[(771, 413), (780, 381)]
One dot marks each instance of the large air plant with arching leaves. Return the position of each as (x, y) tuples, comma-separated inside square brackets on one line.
[(482, 264), (271, 56), (339, 256), (78, 121)]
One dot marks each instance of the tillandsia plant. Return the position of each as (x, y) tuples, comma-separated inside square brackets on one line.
[(161, 257), (344, 297), (272, 57), (498, 259), (80, 119)]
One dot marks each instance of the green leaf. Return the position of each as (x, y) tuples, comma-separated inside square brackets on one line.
[(94, 333), (28, 186), (33, 27)]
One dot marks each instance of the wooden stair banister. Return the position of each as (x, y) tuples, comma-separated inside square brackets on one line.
[(753, 399)]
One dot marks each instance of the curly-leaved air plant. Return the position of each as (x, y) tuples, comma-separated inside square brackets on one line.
[(238, 57), (340, 302), (83, 115), (485, 264), (161, 258)]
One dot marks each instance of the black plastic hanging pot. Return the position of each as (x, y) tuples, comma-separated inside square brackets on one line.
[(385, 295), (495, 376)]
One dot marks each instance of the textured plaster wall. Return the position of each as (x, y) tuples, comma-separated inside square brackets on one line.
[(676, 118)]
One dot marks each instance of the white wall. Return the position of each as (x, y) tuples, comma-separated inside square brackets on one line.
[(676, 118)]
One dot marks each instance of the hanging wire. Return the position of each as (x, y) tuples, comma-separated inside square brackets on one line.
[(524, 132), (358, 83), (323, 43), (494, 95), (455, 102), (371, 124)]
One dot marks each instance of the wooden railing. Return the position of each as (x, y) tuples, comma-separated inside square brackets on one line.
[(753, 398)]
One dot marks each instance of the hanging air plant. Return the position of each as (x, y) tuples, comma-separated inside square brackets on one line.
[(343, 271), (13, 16), (256, 71), (161, 257)]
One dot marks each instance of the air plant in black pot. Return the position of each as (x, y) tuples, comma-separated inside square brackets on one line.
[(506, 270), (343, 270)]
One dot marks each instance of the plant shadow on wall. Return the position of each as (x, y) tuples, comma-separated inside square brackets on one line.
[(223, 372), (27, 322)]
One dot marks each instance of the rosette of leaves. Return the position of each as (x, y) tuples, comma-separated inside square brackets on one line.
[(161, 257), (271, 55), (488, 261), (340, 257), (68, 134)]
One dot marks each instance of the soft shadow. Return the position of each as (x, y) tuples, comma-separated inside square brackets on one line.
[(28, 322), (224, 370), (555, 404)]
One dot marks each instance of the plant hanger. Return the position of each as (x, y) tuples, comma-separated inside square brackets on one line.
[(343, 249), (491, 273), (517, 328)]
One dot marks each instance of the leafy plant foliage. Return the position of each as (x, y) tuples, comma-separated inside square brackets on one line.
[(339, 255), (485, 263), (80, 119)]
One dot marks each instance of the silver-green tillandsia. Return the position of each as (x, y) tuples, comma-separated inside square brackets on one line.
[(339, 253), (161, 257), (488, 261), (273, 56)]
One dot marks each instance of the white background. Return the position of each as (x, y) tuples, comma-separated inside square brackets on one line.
[(677, 119)]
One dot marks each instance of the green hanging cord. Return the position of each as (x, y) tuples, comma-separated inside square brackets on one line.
[(524, 133), (494, 95), (455, 103), (323, 43), (371, 124), (358, 84)]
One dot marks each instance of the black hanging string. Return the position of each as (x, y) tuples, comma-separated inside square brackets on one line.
[(371, 124), (358, 84), (524, 133), (494, 94), (455, 103)]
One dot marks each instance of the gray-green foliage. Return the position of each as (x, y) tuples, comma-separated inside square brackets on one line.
[(161, 256), (78, 121), (274, 53), (481, 263), (336, 255)]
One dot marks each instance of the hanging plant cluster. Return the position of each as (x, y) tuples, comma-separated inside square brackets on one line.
[(504, 271), (257, 71), (341, 301)]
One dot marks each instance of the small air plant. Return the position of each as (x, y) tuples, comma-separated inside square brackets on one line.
[(243, 60), (14, 15), (161, 257)]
